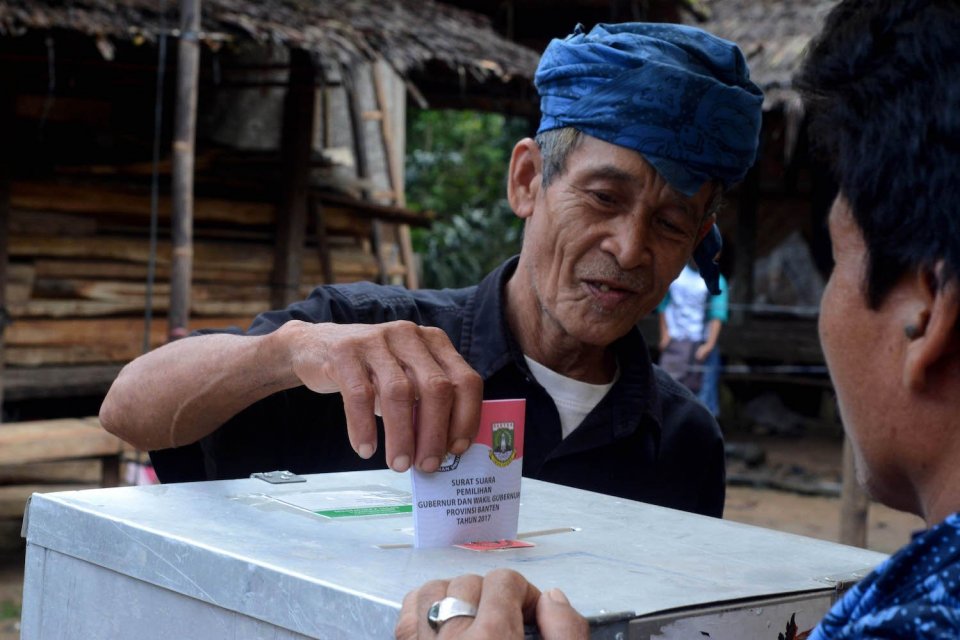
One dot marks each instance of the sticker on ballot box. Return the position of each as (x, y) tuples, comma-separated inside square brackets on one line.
[(474, 497), (349, 502)]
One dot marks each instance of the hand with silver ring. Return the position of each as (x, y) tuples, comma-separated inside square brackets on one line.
[(505, 602), (450, 607)]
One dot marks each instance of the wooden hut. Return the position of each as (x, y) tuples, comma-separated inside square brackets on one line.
[(298, 164)]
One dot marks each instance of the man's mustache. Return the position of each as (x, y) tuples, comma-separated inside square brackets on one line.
[(634, 280)]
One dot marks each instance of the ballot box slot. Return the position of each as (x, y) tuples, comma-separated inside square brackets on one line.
[(523, 535)]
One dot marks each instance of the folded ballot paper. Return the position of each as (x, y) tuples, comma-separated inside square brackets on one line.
[(475, 496)]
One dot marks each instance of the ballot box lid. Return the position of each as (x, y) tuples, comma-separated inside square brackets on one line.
[(260, 548)]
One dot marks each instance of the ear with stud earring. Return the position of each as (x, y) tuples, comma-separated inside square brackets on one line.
[(914, 331)]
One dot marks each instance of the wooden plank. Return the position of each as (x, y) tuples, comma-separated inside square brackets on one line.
[(99, 332), (61, 439), (353, 207), (30, 383), (204, 309), (80, 268), (210, 256), (216, 255), (93, 341), (854, 503), (56, 471), (19, 282), (84, 111), (112, 200), (203, 162), (125, 291), (13, 498), (345, 215), (340, 219), (71, 355), (49, 223)]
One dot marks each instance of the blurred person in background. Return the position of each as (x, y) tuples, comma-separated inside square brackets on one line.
[(691, 319)]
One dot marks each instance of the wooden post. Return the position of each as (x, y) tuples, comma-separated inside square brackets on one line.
[(4, 234), (7, 113), (395, 171), (854, 503), (746, 243), (296, 146), (184, 135), (360, 155), (323, 244)]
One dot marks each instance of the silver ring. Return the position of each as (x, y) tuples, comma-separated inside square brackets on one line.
[(450, 607)]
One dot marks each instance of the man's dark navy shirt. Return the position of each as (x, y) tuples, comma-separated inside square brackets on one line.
[(647, 440)]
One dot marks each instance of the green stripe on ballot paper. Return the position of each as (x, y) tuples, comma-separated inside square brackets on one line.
[(382, 510)]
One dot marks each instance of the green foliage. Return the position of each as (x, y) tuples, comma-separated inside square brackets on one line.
[(457, 167), (9, 610)]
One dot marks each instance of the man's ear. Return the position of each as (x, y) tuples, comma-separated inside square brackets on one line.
[(523, 178), (932, 331)]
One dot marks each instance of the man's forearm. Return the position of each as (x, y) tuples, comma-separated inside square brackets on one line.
[(185, 390)]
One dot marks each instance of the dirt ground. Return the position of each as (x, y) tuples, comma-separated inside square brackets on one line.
[(813, 460)]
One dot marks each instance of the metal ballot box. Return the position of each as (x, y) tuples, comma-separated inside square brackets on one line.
[(332, 557)]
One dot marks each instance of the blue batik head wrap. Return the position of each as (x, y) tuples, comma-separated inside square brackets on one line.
[(679, 96)]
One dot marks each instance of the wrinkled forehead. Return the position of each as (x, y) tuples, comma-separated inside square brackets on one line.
[(600, 160)]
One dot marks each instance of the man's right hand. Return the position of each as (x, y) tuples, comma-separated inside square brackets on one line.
[(428, 395), (185, 390)]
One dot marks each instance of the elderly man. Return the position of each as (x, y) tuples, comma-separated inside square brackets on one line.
[(643, 127), (883, 85)]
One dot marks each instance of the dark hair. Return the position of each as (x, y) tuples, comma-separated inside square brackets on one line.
[(882, 85), (556, 145)]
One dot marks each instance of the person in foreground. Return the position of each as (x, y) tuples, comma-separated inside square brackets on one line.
[(643, 128), (882, 83)]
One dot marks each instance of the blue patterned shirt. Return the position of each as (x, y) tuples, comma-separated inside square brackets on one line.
[(913, 594)]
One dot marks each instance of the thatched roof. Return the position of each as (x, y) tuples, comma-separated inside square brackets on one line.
[(772, 34), (409, 34), (533, 23)]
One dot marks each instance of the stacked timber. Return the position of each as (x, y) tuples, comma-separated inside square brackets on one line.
[(80, 253), (316, 196)]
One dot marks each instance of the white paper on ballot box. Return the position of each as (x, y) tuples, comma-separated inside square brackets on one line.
[(475, 496)]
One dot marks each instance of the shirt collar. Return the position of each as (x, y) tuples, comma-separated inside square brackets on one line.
[(486, 341), (488, 346)]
